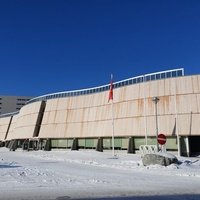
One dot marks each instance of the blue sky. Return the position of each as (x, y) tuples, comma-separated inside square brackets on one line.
[(50, 46)]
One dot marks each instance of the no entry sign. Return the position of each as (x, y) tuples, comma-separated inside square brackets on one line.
[(162, 139)]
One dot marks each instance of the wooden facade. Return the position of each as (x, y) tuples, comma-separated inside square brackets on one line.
[(90, 116)]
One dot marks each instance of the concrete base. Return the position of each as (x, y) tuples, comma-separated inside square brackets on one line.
[(131, 145), (47, 146), (75, 144), (99, 146)]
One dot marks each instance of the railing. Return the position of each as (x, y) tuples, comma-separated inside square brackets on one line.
[(9, 114), (130, 81), (147, 149)]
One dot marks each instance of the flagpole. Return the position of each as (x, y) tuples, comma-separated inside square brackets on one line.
[(176, 118), (112, 110), (145, 114)]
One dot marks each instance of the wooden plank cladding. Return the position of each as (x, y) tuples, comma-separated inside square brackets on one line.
[(24, 125), (90, 115)]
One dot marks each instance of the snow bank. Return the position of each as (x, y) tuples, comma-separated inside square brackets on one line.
[(91, 174)]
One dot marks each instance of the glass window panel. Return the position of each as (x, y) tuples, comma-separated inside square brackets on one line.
[(153, 77), (130, 82), (157, 76), (174, 74), (163, 75), (180, 73), (169, 74), (147, 78)]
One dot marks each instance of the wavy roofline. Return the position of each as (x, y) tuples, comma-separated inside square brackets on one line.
[(134, 80), (142, 77)]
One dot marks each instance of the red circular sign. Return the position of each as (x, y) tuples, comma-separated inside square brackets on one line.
[(162, 139)]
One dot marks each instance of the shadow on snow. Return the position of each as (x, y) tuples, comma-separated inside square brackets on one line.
[(157, 197), (8, 166)]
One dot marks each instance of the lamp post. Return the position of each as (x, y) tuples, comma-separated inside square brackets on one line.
[(155, 100)]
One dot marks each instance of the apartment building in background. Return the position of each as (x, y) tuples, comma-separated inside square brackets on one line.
[(12, 103)]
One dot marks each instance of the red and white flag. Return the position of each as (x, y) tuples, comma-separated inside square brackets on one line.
[(110, 97)]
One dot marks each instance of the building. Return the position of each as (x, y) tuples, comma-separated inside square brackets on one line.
[(83, 118), (10, 104)]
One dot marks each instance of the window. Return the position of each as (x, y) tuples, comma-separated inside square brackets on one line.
[(169, 74), (130, 82), (174, 74), (153, 77), (116, 85), (22, 99), (180, 73), (20, 104), (147, 78), (157, 76), (126, 83), (163, 75)]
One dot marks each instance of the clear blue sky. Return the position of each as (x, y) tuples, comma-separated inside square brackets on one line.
[(57, 45)]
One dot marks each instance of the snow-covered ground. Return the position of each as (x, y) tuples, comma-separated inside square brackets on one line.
[(62, 175)]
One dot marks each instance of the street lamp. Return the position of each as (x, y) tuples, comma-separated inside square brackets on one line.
[(155, 100)]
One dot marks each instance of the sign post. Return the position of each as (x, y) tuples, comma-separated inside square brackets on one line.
[(162, 139), (156, 100)]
